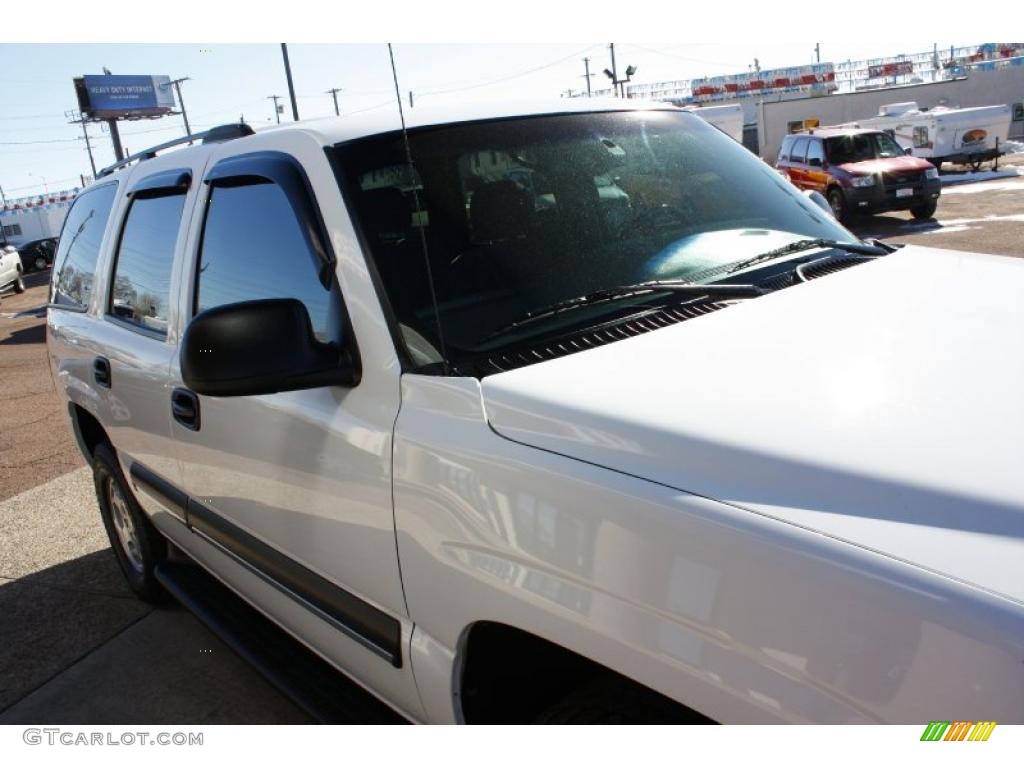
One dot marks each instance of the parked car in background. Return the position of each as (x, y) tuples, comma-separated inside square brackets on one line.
[(860, 171), (11, 270), (37, 255)]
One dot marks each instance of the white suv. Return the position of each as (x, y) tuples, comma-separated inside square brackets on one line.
[(503, 447)]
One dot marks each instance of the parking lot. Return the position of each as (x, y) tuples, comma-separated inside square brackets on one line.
[(78, 647)]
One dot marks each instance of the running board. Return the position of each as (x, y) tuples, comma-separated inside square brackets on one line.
[(315, 686)]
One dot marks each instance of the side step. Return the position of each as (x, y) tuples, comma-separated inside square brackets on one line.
[(311, 683)]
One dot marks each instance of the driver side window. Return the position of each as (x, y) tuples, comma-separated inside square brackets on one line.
[(253, 248)]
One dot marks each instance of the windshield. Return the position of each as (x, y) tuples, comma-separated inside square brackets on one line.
[(862, 146), (517, 215)]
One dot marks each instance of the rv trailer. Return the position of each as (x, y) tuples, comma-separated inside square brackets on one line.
[(942, 135)]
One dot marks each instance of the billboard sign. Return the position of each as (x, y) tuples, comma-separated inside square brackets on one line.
[(108, 97)]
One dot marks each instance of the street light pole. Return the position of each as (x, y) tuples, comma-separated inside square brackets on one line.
[(615, 72), (291, 85)]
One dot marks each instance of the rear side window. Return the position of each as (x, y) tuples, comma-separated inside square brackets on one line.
[(815, 153), (799, 150), (253, 248), (74, 265), (142, 275)]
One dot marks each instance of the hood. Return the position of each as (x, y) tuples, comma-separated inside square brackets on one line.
[(904, 164), (882, 405)]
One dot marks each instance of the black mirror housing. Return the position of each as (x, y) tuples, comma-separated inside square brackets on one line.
[(261, 347), (908, 151)]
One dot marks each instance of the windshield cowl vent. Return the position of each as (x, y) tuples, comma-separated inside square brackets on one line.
[(635, 325), (828, 265)]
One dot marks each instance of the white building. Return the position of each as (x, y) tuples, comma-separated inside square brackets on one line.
[(36, 217)]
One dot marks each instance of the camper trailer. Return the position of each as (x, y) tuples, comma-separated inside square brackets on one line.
[(942, 135), (727, 118)]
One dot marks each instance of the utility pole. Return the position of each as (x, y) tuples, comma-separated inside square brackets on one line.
[(88, 148), (3, 197), (411, 105), (817, 52), (277, 110), (586, 66), (334, 94), (291, 85), (177, 87)]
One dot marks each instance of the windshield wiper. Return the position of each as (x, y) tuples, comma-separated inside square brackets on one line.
[(717, 290), (805, 245)]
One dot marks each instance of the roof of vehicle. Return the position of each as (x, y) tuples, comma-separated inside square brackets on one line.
[(838, 130), (335, 130)]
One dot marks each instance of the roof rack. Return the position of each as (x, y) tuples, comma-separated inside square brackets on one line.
[(216, 134)]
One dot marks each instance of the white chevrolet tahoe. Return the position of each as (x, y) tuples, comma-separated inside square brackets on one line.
[(554, 414)]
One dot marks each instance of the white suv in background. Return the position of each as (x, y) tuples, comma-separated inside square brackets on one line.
[(504, 447)]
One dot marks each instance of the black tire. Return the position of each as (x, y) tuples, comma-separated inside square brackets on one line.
[(146, 547), (617, 701), (924, 211), (19, 284), (838, 203)]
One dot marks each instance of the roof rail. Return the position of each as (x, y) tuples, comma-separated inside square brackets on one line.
[(216, 134)]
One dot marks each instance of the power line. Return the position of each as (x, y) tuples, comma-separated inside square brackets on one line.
[(511, 76), (655, 51)]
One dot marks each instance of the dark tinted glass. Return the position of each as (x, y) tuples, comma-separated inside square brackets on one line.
[(142, 275), (74, 265), (253, 249), (520, 214)]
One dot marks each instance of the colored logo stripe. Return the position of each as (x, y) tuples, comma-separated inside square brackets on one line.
[(960, 730)]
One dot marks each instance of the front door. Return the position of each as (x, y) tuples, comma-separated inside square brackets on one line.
[(296, 485)]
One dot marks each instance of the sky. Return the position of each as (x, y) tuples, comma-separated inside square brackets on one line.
[(40, 150)]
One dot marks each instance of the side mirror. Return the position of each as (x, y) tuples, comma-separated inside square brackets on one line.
[(908, 151), (261, 347)]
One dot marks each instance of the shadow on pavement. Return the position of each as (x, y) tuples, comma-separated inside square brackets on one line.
[(34, 334)]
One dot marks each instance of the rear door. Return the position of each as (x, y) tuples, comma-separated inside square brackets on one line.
[(815, 175), (797, 168), (135, 339)]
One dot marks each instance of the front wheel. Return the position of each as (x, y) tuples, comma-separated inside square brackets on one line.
[(136, 543), (39, 264), (924, 211), (19, 284), (837, 203)]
